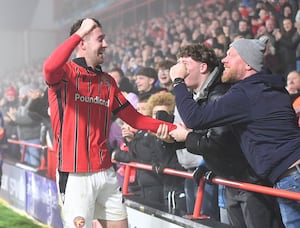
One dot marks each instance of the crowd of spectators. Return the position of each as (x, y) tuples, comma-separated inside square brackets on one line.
[(216, 25), (18, 89)]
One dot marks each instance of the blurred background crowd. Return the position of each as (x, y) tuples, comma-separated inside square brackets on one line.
[(147, 44), (141, 51)]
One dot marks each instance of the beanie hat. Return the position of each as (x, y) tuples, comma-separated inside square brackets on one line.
[(251, 51), (148, 72), (11, 91)]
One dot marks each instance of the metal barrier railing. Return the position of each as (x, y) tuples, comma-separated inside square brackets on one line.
[(184, 174), (43, 149), (216, 180)]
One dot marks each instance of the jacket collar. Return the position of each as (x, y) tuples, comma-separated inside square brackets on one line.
[(211, 79), (275, 81), (81, 62)]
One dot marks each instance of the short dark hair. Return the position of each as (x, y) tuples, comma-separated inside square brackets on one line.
[(200, 53), (147, 72), (119, 70), (78, 23)]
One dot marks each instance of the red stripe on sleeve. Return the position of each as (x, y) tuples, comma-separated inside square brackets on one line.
[(141, 122), (53, 65)]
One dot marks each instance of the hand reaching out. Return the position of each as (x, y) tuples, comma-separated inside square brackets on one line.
[(163, 134), (180, 133)]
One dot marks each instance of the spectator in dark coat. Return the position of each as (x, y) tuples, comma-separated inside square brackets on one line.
[(287, 41)]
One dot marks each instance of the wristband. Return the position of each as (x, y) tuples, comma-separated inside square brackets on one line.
[(178, 81)]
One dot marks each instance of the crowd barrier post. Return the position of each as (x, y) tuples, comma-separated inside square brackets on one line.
[(126, 180), (23, 153), (198, 203)]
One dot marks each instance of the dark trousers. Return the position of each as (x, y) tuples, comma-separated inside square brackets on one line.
[(210, 206), (252, 210), (175, 200), (153, 194)]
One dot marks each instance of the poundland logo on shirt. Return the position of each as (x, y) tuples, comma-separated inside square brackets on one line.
[(93, 100)]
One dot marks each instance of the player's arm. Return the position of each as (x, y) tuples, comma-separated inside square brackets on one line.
[(53, 66), (139, 121)]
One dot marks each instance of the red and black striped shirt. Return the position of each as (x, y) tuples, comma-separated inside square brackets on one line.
[(82, 101)]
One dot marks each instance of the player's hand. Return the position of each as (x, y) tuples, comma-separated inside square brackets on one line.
[(86, 27)]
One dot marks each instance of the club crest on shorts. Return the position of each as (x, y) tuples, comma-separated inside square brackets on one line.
[(79, 222)]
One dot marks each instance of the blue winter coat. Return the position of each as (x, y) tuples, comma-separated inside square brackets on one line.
[(260, 112)]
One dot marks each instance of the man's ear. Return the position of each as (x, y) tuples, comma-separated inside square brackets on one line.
[(152, 80), (203, 67), (247, 67), (82, 45)]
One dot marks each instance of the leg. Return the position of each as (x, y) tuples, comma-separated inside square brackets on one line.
[(210, 204), (234, 211), (76, 199), (222, 205), (290, 209), (114, 224), (154, 194), (110, 209), (260, 210), (189, 186)]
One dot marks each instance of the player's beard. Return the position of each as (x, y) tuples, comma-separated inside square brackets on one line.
[(100, 58)]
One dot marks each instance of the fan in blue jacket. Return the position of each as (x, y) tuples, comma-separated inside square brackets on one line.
[(259, 110)]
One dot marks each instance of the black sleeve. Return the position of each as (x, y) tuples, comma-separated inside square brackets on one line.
[(220, 150), (123, 156), (208, 140)]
